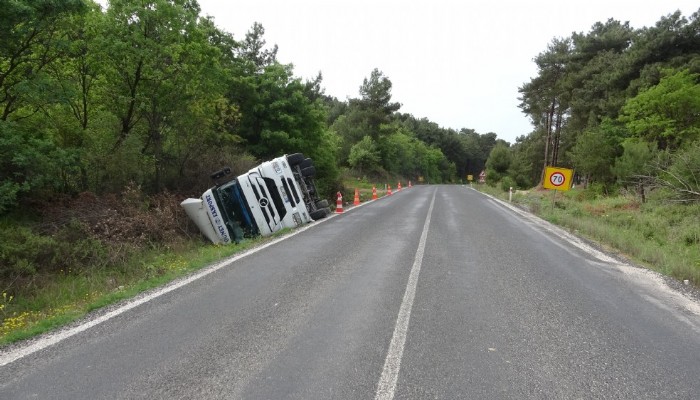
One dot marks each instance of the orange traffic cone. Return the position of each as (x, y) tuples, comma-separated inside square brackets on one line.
[(388, 192), (339, 204), (356, 202), (374, 193), (398, 188)]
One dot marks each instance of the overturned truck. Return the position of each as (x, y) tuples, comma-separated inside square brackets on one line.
[(276, 194)]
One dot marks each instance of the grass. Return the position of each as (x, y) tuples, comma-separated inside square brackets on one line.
[(662, 236), (365, 187), (69, 296), (45, 300)]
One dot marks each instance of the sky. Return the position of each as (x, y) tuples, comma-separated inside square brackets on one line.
[(457, 63)]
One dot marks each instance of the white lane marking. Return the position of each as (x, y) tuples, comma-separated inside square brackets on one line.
[(652, 282), (50, 339), (390, 374), (13, 354)]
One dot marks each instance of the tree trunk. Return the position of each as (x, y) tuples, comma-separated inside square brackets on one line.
[(548, 138), (127, 120), (556, 139)]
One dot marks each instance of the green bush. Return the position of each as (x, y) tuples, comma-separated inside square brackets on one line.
[(682, 177), (493, 177), (507, 183), (24, 252)]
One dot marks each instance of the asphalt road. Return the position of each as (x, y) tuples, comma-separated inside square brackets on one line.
[(437, 292)]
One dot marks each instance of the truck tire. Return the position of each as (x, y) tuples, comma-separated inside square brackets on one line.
[(308, 171), (322, 204), (295, 158), (318, 214), (306, 163)]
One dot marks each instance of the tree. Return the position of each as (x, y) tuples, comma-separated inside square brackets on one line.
[(364, 156), (76, 73), (33, 38), (672, 42), (450, 142), (594, 151), (279, 112), (161, 65), (498, 163), (634, 166), (682, 176), (476, 150), (375, 101), (350, 128), (398, 151), (667, 113), (432, 164), (545, 98), (599, 73), (253, 50), (525, 155), (588, 78)]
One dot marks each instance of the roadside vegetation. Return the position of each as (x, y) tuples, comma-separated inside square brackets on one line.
[(621, 107), (88, 252), (661, 235), (109, 118)]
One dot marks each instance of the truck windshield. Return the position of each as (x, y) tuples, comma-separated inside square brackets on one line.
[(233, 205)]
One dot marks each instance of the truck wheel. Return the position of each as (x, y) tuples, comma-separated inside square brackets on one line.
[(295, 158), (322, 204), (318, 214), (306, 163), (308, 171)]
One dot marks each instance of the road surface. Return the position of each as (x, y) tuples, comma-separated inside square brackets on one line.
[(436, 292)]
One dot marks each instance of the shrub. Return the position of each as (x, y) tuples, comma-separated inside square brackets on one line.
[(682, 176), (493, 177), (88, 232), (22, 252), (507, 183)]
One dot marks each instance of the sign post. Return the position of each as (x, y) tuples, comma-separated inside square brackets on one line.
[(557, 179)]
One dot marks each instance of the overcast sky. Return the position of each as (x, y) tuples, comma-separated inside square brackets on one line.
[(457, 63)]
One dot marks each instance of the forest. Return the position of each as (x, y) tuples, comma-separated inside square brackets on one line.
[(157, 96), (111, 116), (619, 105)]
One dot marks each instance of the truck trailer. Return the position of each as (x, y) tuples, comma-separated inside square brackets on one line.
[(276, 194)]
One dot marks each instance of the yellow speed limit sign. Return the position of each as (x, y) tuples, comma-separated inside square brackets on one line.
[(558, 178)]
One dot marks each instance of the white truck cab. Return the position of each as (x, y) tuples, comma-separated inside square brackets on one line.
[(279, 178), (276, 194)]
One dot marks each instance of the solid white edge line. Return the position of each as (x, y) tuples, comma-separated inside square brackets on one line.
[(386, 387), (50, 339), (559, 232), (643, 276)]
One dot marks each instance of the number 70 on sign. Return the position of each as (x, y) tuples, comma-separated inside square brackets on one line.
[(557, 178)]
